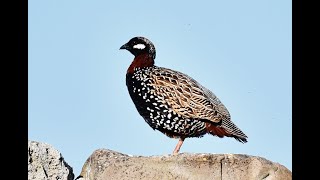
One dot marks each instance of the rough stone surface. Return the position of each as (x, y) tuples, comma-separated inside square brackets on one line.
[(47, 163), (108, 164)]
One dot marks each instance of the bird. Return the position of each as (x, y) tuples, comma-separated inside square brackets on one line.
[(172, 102)]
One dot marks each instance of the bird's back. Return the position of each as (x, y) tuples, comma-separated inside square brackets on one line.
[(178, 105)]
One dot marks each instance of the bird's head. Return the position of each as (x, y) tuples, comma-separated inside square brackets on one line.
[(140, 45)]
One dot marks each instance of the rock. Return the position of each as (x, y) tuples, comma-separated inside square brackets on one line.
[(46, 163), (108, 164)]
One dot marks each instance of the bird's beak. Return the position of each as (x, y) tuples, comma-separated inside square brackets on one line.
[(125, 46)]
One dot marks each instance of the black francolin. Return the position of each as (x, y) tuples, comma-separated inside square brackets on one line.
[(172, 102)]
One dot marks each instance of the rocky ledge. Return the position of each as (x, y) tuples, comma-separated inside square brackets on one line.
[(108, 164)]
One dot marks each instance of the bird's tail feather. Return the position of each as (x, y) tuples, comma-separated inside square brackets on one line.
[(226, 128), (233, 130)]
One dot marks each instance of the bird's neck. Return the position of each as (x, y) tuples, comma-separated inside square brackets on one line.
[(140, 61)]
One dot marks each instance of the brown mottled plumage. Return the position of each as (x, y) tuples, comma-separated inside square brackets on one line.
[(172, 102)]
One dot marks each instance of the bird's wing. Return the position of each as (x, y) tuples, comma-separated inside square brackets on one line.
[(186, 96)]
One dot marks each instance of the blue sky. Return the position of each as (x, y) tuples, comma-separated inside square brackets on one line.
[(77, 96)]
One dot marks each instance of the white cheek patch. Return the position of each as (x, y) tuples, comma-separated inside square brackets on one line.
[(139, 46)]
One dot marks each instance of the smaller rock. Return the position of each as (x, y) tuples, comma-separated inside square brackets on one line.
[(45, 162)]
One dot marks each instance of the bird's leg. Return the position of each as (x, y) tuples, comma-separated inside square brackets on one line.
[(178, 146)]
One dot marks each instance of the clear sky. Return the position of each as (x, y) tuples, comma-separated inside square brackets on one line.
[(77, 96)]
